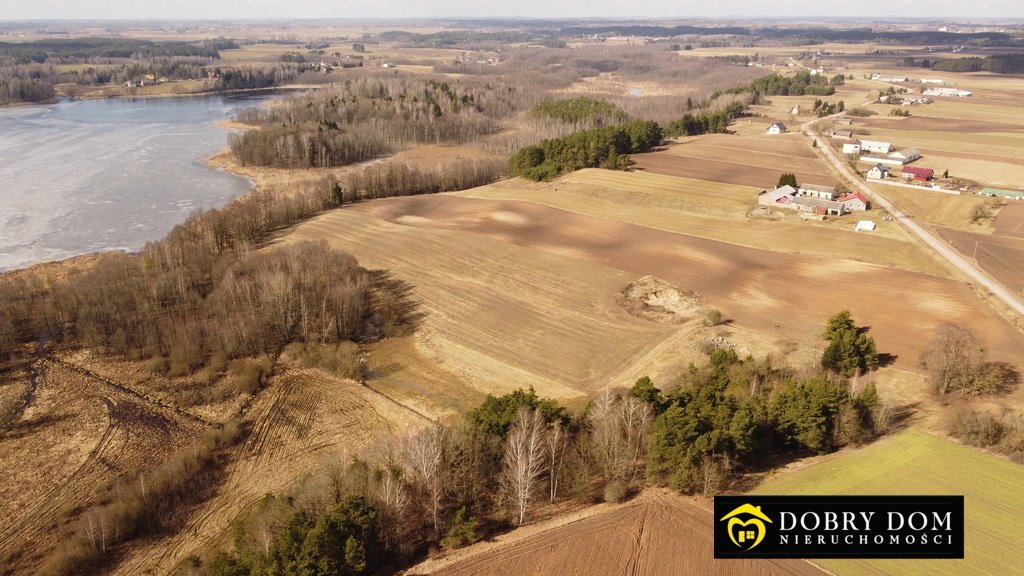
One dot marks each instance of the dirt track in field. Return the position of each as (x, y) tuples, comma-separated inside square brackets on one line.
[(305, 422), (78, 435), (779, 295), (655, 534)]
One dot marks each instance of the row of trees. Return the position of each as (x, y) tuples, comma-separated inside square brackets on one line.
[(800, 84), (606, 147), (715, 122), (998, 63)]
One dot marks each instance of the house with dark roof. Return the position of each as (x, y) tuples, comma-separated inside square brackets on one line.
[(817, 191), (878, 172), (776, 128)]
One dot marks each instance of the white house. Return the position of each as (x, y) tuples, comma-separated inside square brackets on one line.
[(875, 146), (907, 155), (855, 202), (851, 147), (817, 191), (776, 128), (878, 172)]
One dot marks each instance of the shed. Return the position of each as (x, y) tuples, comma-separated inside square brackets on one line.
[(817, 191), (865, 226), (907, 155)]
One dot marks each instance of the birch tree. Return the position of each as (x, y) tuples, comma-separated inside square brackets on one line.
[(424, 453), (524, 459)]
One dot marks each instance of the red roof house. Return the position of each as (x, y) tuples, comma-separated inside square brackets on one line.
[(855, 201), (915, 173)]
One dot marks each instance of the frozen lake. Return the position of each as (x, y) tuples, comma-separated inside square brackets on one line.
[(88, 175)]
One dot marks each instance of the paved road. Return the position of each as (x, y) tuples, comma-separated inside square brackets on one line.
[(944, 249)]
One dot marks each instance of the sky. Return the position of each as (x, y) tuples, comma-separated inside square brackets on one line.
[(228, 9)]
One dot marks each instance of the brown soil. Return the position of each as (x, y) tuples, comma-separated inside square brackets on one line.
[(1010, 221), (718, 171), (933, 124), (657, 533), (785, 295), (1000, 256)]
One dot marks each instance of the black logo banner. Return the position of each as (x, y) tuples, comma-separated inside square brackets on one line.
[(839, 526)]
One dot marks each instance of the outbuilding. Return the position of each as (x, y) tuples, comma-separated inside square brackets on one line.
[(876, 146), (851, 147), (921, 174), (907, 155)]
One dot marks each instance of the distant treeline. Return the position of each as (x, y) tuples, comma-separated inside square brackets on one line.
[(999, 64), (74, 50), (369, 118), (607, 147), (804, 35)]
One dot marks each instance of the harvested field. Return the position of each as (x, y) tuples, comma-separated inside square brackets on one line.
[(715, 211), (657, 533), (557, 273), (1001, 257), (913, 462), (1010, 221), (77, 435), (305, 422)]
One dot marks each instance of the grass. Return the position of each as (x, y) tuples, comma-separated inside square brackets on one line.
[(714, 211), (939, 208), (913, 462)]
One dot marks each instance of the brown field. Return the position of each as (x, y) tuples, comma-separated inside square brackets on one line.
[(756, 160), (714, 211), (557, 273), (77, 435), (1010, 221), (1001, 257), (656, 533)]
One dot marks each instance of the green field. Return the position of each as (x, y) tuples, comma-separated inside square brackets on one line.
[(913, 462)]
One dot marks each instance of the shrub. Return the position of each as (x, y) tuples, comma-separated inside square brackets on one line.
[(462, 532), (615, 491), (976, 428)]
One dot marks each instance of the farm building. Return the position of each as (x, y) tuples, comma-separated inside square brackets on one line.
[(865, 226), (938, 81), (776, 128), (855, 202), (1001, 193), (876, 146), (881, 78), (878, 172), (881, 160), (922, 174), (947, 92), (790, 198), (819, 206), (907, 155), (817, 191), (851, 147), (842, 134)]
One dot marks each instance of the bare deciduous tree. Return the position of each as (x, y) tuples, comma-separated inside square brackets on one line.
[(424, 454), (524, 457), (556, 442)]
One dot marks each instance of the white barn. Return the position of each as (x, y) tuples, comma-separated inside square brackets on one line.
[(876, 146), (947, 92), (851, 147)]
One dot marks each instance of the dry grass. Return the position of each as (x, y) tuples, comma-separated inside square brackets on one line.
[(949, 210)]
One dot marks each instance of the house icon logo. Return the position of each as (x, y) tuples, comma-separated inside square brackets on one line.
[(746, 526)]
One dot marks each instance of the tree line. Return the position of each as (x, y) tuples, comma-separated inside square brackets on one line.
[(581, 112), (715, 122), (514, 455), (367, 118), (606, 147), (997, 63)]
